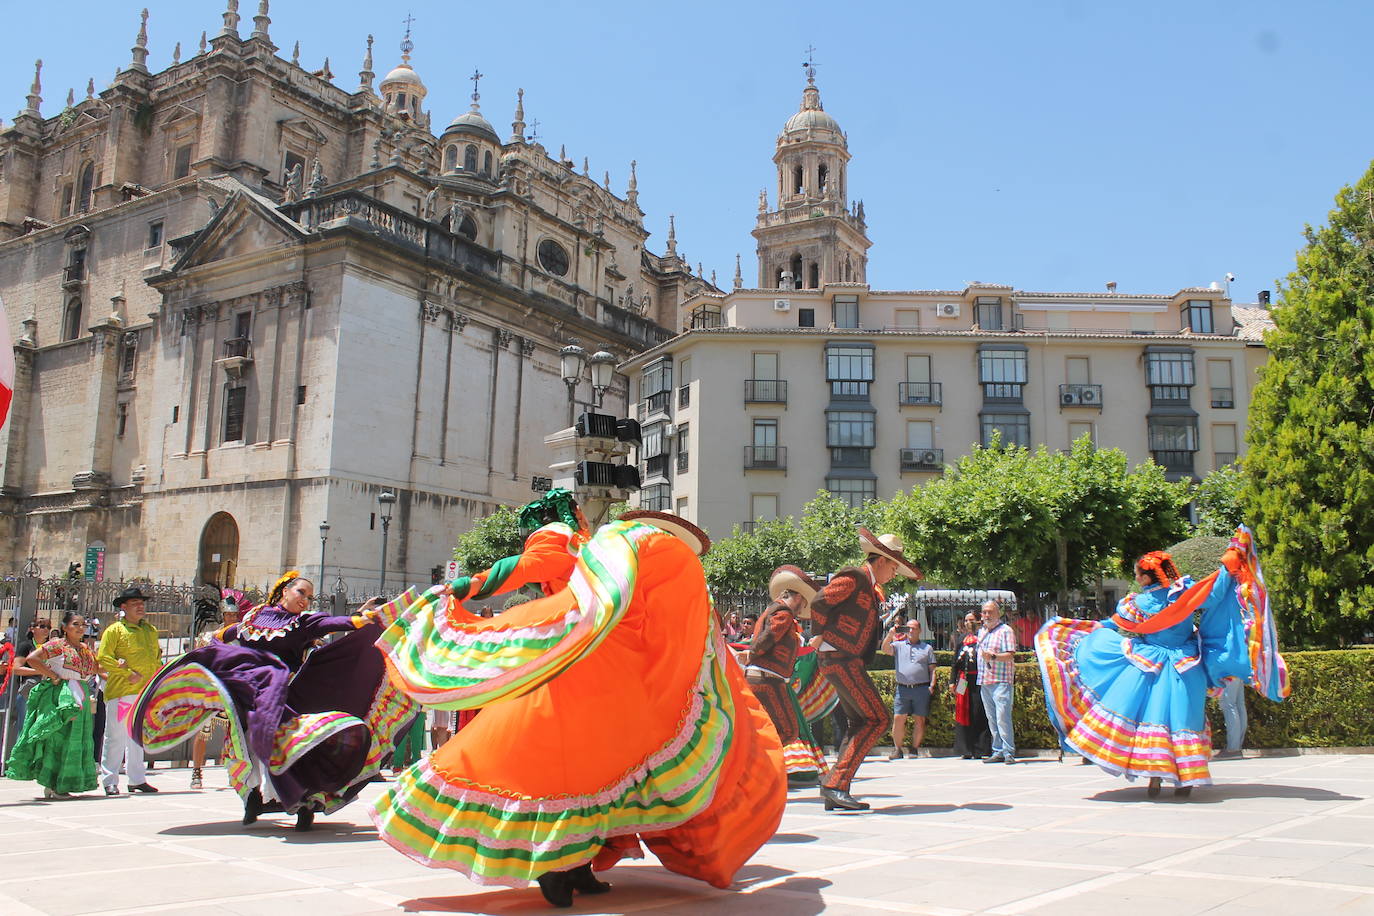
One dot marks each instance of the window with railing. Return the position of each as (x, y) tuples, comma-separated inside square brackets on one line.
[(1224, 440), (128, 357), (656, 466), (853, 492), (1002, 373), (850, 428), (988, 312), (919, 393), (851, 457), (683, 448), (849, 370), (1014, 428), (1170, 376), (656, 498), (765, 457), (75, 271), (1173, 442), (656, 387), (765, 391), (846, 311), (238, 346), (684, 396), (1220, 381), (1223, 398), (706, 316)]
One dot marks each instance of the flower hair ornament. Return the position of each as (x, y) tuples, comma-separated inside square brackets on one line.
[(280, 585), (1160, 565)]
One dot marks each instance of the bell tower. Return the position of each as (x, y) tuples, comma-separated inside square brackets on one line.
[(814, 236)]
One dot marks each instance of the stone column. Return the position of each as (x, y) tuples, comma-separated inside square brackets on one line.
[(101, 388)]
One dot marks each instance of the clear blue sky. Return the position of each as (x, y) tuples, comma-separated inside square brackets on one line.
[(1053, 145)]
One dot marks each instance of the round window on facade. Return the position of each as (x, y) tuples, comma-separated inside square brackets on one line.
[(553, 257)]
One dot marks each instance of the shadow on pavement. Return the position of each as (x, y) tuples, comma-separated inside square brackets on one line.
[(1212, 795), (636, 889), (323, 834), (793, 838)]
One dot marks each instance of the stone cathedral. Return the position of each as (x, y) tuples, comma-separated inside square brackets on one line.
[(249, 298)]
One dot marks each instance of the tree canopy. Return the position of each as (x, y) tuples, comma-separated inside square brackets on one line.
[(490, 539), (820, 542), (1310, 463), (1040, 520), (1217, 501)]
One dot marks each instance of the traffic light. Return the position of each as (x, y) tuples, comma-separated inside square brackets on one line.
[(606, 474), (604, 426)]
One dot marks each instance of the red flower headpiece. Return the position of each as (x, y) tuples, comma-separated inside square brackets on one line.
[(1161, 564)]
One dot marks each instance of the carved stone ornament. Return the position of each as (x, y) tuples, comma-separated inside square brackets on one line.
[(504, 337), (460, 321), (131, 340), (431, 311), (526, 347)]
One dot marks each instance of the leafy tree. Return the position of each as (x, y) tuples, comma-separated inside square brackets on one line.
[(1199, 556), (1217, 501), (1310, 464), (490, 539), (821, 542), (1041, 520)]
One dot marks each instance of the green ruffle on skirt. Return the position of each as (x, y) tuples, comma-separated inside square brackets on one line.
[(56, 747)]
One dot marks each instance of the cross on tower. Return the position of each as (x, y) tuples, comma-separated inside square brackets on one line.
[(476, 78), (810, 63), (534, 129), (406, 44)]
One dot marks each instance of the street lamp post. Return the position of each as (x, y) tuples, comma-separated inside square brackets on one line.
[(387, 500), (603, 369), (324, 538), (571, 361)]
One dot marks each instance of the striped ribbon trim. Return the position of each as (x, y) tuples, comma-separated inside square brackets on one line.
[(466, 665), (495, 837), (1268, 670)]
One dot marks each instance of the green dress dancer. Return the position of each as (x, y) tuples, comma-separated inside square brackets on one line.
[(56, 747)]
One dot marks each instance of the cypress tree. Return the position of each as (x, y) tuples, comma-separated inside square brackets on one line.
[(1310, 494)]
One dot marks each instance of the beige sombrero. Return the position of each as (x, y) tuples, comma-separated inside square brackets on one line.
[(890, 546), (793, 579), (675, 525)]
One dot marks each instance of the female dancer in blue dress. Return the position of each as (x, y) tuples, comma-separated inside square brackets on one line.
[(1129, 693)]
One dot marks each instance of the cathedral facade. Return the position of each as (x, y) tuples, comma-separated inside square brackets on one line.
[(249, 301)]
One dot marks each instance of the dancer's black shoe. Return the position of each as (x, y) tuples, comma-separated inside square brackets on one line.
[(252, 807), (836, 798), (1154, 788), (305, 820), (556, 886), (584, 880)]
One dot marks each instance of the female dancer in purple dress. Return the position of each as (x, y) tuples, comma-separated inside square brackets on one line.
[(312, 716)]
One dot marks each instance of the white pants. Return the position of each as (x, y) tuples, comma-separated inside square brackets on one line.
[(120, 749)]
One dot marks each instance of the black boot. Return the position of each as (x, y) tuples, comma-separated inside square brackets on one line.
[(305, 820), (252, 807), (584, 881), (1154, 788), (836, 798), (556, 886)]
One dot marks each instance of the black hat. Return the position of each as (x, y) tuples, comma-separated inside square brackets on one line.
[(133, 592)]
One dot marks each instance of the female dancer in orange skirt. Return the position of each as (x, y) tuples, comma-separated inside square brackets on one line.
[(613, 715)]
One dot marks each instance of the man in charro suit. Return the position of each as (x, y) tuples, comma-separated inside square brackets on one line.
[(773, 655), (848, 616)]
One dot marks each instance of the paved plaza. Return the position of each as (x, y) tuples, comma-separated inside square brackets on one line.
[(946, 836)]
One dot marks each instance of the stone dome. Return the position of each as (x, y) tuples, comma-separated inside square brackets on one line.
[(472, 122), (403, 74), (812, 114)]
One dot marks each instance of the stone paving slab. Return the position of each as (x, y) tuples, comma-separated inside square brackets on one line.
[(945, 836)]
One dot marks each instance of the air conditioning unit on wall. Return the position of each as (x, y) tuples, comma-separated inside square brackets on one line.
[(782, 305), (947, 310), (1071, 397)]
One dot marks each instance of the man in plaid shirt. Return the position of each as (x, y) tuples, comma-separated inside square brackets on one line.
[(996, 671)]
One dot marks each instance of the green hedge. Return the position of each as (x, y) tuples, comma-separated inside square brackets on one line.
[(1333, 695)]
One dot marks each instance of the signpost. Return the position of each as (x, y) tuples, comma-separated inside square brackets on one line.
[(95, 562)]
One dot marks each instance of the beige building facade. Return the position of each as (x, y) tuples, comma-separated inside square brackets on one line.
[(248, 300), (819, 382)]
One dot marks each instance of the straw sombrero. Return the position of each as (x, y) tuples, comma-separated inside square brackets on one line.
[(675, 525), (793, 579), (890, 546)]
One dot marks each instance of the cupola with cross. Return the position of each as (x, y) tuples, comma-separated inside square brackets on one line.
[(471, 147), (402, 89), (814, 236)]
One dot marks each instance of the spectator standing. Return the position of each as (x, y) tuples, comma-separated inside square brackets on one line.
[(914, 661), (971, 735), (130, 654), (996, 674), (1025, 624), (1232, 702)]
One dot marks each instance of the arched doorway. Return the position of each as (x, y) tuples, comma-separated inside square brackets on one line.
[(219, 550)]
